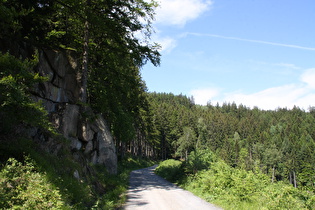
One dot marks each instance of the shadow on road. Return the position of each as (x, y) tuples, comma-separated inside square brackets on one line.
[(144, 179), (150, 191)]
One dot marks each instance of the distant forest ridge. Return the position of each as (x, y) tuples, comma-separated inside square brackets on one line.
[(280, 142)]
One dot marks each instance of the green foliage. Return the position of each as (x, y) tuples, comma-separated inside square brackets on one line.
[(119, 95), (170, 169), (131, 163), (283, 196), (106, 31), (186, 142), (116, 89), (199, 160), (22, 187), (238, 189), (170, 114), (115, 86), (278, 143), (58, 170), (16, 81), (82, 193)]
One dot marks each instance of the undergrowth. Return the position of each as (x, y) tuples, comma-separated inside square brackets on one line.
[(23, 187), (170, 169), (236, 188), (33, 179)]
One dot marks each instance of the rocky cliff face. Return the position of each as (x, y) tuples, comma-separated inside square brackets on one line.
[(87, 133)]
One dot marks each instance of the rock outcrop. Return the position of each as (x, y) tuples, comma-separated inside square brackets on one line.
[(87, 133)]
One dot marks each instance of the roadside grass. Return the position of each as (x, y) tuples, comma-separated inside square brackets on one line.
[(239, 189), (21, 161), (235, 188), (56, 170), (171, 170)]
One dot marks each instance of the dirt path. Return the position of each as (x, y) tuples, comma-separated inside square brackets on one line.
[(149, 191)]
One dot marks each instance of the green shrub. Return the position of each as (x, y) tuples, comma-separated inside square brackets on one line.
[(199, 160), (22, 187), (284, 196), (170, 169), (240, 189), (57, 170), (16, 82)]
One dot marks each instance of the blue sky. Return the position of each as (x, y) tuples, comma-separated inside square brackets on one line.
[(253, 52)]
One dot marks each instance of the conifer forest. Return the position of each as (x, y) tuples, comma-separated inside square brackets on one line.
[(228, 153)]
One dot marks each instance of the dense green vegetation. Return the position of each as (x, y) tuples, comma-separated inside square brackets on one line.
[(279, 143), (27, 160), (234, 188), (170, 169), (22, 187), (230, 153), (104, 37), (16, 80), (248, 158), (38, 180)]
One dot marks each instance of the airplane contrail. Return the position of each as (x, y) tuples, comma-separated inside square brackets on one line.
[(252, 40)]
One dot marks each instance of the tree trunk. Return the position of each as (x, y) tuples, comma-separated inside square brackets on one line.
[(294, 179), (163, 156), (85, 57), (122, 149), (273, 174)]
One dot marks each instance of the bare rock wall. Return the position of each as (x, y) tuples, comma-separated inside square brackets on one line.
[(86, 132)]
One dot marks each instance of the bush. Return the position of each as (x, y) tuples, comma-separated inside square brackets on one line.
[(22, 187), (170, 169), (16, 82), (240, 189), (199, 160), (57, 170)]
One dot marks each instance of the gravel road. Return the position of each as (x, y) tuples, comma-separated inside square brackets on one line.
[(149, 191)]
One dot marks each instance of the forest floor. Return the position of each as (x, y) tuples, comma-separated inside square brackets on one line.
[(149, 191)]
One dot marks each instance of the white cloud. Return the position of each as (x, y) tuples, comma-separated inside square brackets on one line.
[(309, 77), (301, 94), (167, 43), (178, 12), (272, 98), (203, 95)]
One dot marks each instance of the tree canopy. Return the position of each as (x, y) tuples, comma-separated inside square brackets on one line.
[(112, 40), (279, 143)]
